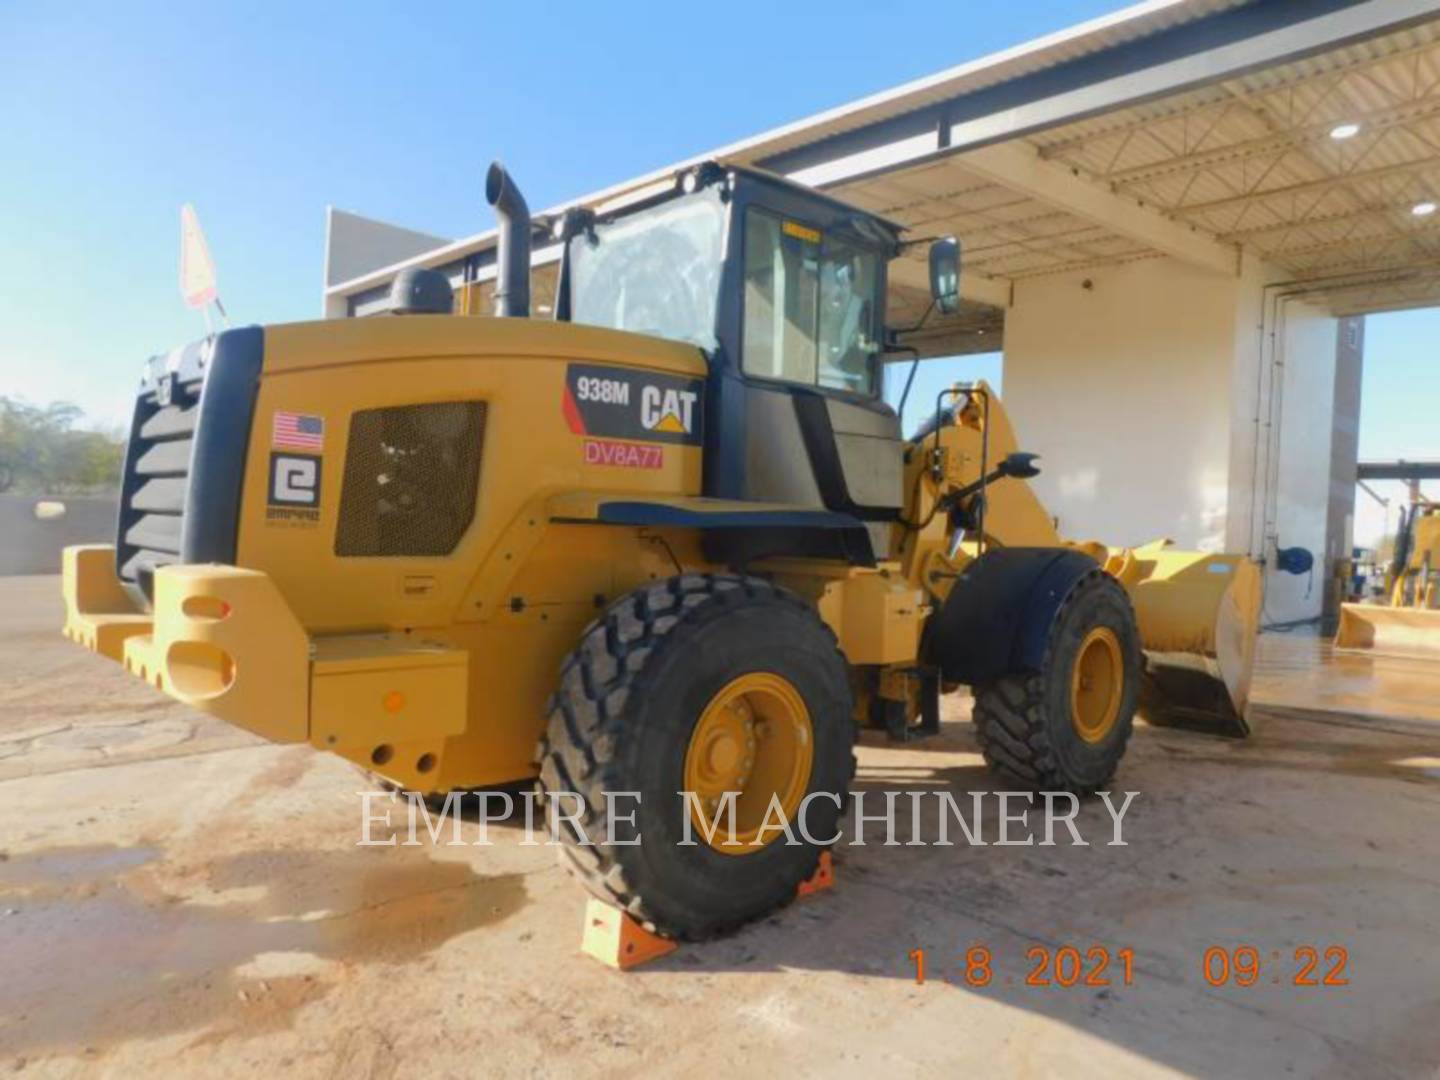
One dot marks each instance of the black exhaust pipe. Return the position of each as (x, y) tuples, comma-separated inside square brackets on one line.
[(512, 261)]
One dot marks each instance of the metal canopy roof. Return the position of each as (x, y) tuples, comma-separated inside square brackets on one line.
[(1251, 161), (1190, 128)]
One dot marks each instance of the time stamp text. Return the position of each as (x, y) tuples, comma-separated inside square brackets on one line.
[(1099, 966)]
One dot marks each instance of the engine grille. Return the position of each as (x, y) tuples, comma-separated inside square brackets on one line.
[(157, 468), (411, 474)]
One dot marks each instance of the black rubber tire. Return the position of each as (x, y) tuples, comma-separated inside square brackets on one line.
[(1023, 720), (630, 696)]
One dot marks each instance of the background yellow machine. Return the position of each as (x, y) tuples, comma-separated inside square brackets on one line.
[(673, 536), (1408, 624)]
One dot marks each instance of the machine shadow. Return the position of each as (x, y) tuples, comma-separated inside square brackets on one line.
[(890, 901)]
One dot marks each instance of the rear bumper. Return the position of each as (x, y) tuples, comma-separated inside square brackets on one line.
[(222, 639)]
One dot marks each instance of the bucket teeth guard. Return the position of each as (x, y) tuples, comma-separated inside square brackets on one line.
[(1198, 616), (1190, 692)]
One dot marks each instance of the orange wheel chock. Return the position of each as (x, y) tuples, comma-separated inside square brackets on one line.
[(617, 940), (823, 878)]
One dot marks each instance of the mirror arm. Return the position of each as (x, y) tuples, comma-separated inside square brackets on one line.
[(895, 347), (898, 331)]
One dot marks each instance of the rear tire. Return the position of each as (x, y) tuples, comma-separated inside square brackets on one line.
[(1029, 725), (630, 698)]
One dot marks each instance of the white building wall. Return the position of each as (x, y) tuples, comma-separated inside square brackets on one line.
[(1298, 496), (1248, 393), (1124, 387), (1148, 390)]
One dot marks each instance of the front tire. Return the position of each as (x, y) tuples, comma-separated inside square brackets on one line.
[(1065, 727), (694, 681)]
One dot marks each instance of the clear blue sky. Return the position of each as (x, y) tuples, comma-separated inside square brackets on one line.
[(262, 114)]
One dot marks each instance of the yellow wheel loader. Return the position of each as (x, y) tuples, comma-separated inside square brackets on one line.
[(673, 536), (1409, 624)]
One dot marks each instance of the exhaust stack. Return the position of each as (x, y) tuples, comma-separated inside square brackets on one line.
[(512, 262)]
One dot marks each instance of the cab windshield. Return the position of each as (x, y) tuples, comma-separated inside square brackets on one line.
[(656, 271)]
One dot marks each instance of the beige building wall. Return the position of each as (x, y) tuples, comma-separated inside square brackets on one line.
[(1121, 380), (1167, 400)]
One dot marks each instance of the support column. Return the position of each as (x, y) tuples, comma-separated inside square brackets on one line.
[(1344, 453)]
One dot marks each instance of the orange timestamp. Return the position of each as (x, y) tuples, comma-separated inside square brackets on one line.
[(1046, 966), (1247, 965), (1065, 966)]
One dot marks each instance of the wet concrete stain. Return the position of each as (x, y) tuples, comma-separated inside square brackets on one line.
[(1310, 674), (288, 768), (1411, 761), (104, 944), (53, 870)]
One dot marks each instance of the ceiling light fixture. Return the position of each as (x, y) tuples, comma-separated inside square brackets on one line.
[(1344, 131)]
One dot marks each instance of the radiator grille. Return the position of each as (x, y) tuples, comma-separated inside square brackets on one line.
[(411, 474), (156, 480)]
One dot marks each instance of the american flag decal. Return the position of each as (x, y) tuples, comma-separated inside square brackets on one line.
[(298, 431)]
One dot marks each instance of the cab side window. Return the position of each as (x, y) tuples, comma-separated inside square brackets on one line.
[(848, 337), (811, 306), (781, 292)]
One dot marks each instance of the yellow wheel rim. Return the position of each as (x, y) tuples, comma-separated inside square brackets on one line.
[(1097, 683), (754, 738)]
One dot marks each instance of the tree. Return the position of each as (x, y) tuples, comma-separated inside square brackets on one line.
[(44, 451)]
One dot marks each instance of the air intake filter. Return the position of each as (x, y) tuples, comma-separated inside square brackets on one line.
[(421, 292)]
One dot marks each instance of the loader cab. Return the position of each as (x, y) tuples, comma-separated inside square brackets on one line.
[(783, 288)]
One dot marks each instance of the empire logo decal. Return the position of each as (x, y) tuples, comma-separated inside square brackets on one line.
[(294, 491), (635, 406)]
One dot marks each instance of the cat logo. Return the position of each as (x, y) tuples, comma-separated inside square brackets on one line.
[(609, 402), (671, 411)]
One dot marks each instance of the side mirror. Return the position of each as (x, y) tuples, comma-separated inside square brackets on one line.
[(945, 274), (1020, 465)]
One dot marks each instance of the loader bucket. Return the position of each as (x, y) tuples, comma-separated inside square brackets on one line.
[(1396, 631), (1198, 616)]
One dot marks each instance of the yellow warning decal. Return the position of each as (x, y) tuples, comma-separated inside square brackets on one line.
[(800, 232)]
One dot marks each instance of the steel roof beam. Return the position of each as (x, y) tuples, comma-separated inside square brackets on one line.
[(1062, 147), (1316, 221), (1278, 142), (1398, 470), (1320, 185), (1208, 51), (1019, 166)]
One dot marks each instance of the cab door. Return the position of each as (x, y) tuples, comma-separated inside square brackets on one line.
[(816, 429)]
